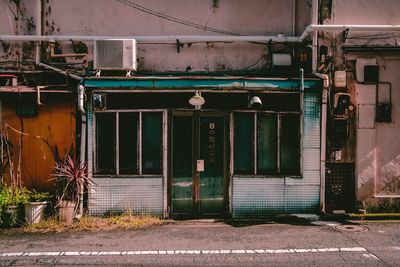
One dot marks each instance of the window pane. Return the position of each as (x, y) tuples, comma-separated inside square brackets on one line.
[(182, 147), (243, 150), (105, 145), (267, 144), (290, 144), (152, 142), (128, 142)]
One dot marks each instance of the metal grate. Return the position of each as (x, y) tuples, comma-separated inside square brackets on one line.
[(340, 186)]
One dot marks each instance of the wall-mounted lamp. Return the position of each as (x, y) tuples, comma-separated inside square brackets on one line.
[(197, 100), (255, 102), (99, 101)]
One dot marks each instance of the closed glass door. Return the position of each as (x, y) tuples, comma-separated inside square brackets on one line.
[(198, 164)]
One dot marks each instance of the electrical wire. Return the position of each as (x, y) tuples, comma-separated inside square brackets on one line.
[(174, 19), (254, 64)]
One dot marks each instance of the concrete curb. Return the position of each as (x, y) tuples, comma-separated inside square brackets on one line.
[(358, 216)]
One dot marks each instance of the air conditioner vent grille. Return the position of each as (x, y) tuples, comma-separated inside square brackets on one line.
[(115, 54)]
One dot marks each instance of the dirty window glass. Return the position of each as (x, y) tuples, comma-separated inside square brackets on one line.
[(152, 142), (243, 150), (182, 147), (267, 144), (105, 145), (277, 138), (290, 144), (128, 122)]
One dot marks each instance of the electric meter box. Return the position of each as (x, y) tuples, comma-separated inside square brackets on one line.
[(340, 79)]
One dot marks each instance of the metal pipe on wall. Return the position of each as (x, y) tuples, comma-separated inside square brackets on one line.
[(152, 39), (314, 37), (82, 159), (210, 38), (293, 17), (76, 77), (324, 108), (38, 22)]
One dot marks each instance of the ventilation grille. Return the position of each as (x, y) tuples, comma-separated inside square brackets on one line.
[(115, 54), (340, 186)]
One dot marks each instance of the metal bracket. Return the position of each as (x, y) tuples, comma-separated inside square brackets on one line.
[(178, 45), (345, 33)]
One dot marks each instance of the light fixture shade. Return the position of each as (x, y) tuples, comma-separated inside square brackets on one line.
[(197, 100), (255, 102)]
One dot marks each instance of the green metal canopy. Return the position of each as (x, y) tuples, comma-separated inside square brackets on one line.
[(200, 83)]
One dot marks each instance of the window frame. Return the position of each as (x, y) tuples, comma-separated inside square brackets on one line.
[(139, 148), (255, 172)]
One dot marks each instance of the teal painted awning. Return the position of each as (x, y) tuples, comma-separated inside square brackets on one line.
[(159, 83)]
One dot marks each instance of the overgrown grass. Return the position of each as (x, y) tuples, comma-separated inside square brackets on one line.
[(91, 223), (390, 205)]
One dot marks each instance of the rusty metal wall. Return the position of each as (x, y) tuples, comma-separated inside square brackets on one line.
[(53, 126)]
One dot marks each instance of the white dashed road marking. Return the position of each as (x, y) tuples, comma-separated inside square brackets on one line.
[(369, 255), (184, 252)]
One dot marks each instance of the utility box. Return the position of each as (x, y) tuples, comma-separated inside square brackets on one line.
[(371, 74), (384, 112), (360, 67), (340, 79)]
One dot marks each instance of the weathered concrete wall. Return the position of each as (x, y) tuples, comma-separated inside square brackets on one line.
[(17, 17), (366, 12), (105, 17), (377, 149)]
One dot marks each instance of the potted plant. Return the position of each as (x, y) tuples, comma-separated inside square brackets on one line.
[(71, 177), (35, 205), (12, 198)]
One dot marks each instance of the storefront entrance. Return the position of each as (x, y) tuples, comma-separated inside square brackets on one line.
[(198, 171)]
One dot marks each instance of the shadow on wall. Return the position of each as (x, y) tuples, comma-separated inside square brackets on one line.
[(366, 171), (381, 193)]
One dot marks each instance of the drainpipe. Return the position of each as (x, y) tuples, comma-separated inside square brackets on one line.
[(38, 22), (81, 96), (293, 17), (38, 88), (82, 159), (293, 24), (314, 36), (323, 136), (301, 113), (73, 76)]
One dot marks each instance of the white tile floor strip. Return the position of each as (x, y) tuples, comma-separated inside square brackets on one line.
[(181, 252)]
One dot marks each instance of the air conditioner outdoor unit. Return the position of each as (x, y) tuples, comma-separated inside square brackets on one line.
[(115, 54)]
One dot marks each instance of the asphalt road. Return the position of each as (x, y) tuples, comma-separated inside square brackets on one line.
[(211, 244)]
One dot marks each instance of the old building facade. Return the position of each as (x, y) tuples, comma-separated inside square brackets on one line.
[(207, 108)]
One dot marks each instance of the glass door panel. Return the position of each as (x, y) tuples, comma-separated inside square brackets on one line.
[(182, 162), (212, 152)]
